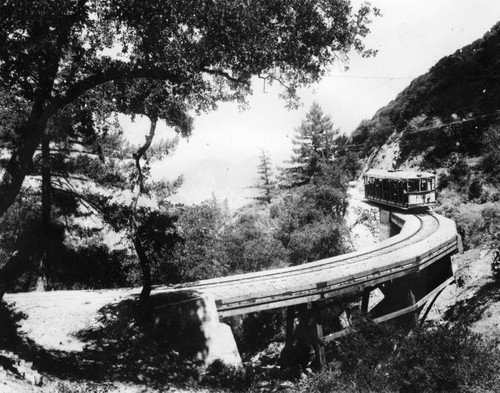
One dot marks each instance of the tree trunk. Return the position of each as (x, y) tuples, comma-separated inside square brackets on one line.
[(139, 189), (145, 268), (12, 179), (15, 266), (46, 212), (46, 182), (21, 159)]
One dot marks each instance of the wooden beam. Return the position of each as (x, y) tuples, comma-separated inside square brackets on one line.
[(395, 314), (319, 346), (365, 300), (290, 325), (411, 301)]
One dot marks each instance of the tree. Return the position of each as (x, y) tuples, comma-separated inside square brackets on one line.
[(249, 244), (55, 53), (266, 183), (92, 159), (200, 255), (310, 221), (314, 146), (490, 162)]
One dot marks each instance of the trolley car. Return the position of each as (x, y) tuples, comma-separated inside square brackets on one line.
[(403, 189)]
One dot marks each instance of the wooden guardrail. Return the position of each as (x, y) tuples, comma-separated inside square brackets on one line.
[(424, 239)]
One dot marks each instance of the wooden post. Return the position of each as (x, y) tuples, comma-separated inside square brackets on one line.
[(364, 300), (290, 324), (319, 347), (414, 315)]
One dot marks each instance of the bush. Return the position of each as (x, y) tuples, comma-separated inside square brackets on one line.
[(255, 331), (329, 380), (446, 358), (362, 353), (220, 375), (478, 224), (475, 189)]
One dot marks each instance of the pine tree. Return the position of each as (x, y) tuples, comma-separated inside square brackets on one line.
[(266, 184), (313, 146)]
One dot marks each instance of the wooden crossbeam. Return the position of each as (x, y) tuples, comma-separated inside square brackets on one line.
[(413, 308)]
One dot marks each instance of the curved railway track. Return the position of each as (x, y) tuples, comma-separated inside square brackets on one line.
[(424, 239)]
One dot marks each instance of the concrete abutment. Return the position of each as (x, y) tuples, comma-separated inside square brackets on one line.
[(190, 321)]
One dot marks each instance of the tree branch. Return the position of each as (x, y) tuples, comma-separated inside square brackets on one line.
[(117, 72), (225, 74)]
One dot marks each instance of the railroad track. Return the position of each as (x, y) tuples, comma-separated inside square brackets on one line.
[(424, 239)]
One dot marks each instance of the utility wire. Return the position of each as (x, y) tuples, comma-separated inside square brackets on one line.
[(360, 146)]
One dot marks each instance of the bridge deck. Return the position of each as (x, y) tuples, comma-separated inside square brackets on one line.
[(424, 238)]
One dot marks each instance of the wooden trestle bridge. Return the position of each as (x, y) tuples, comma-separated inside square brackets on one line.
[(410, 268)]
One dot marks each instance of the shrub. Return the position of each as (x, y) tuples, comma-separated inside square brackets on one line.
[(362, 353), (475, 189), (445, 358), (220, 375), (478, 224), (255, 331), (329, 380)]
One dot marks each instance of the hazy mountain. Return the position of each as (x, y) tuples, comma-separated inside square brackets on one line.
[(221, 178)]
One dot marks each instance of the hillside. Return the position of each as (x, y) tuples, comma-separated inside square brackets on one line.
[(450, 106), (448, 121)]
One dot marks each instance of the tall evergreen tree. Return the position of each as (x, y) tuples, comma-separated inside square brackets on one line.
[(266, 184), (313, 146)]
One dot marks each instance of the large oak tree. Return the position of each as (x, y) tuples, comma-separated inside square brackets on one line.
[(54, 52)]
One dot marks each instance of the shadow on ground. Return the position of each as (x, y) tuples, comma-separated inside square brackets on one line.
[(471, 310), (132, 344)]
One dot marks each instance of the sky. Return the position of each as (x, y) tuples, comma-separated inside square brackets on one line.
[(410, 36)]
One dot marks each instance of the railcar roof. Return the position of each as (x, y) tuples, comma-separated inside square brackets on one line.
[(398, 174)]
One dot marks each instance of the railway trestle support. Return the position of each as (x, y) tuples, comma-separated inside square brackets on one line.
[(406, 302)]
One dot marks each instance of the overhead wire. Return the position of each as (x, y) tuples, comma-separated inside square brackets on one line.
[(361, 146)]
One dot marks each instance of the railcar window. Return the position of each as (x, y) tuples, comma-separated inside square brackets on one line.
[(413, 185), (424, 185)]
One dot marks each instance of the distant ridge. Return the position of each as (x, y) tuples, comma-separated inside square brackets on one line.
[(225, 180)]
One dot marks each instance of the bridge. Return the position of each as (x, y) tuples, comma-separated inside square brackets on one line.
[(409, 268)]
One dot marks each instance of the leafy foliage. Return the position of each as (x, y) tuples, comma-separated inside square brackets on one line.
[(200, 256), (157, 59), (250, 245), (445, 358), (310, 218), (490, 161)]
